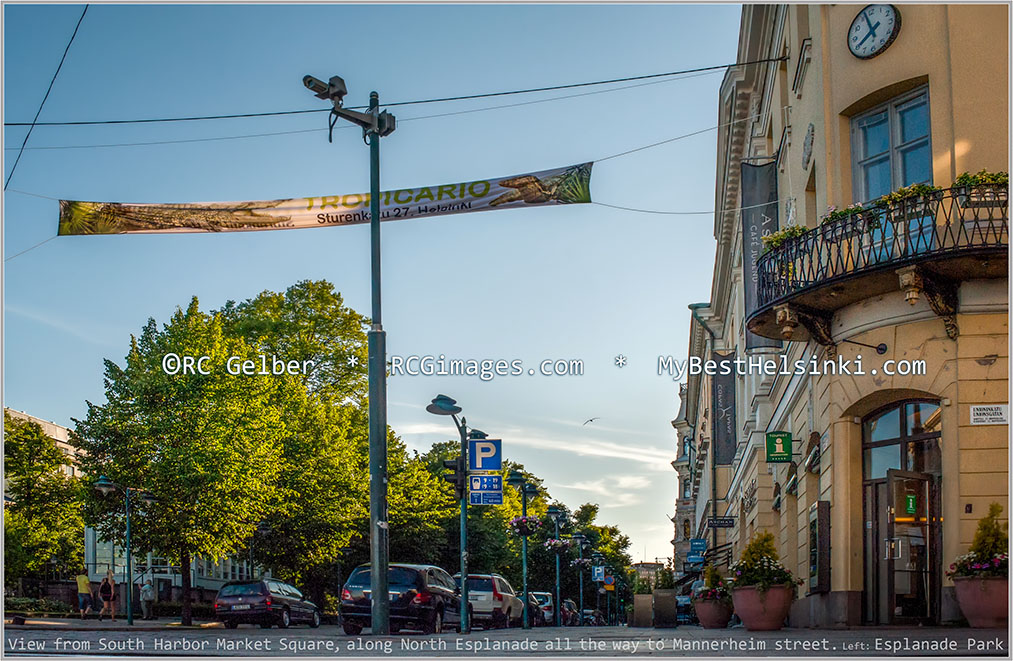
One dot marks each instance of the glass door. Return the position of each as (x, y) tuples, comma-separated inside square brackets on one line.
[(911, 547)]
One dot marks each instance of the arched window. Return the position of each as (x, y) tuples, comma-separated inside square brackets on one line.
[(902, 436)]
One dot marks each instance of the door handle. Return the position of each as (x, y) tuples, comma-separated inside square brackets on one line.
[(888, 550), (898, 548)]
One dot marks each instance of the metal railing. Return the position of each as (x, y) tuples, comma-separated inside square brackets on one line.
[(953, 220), (719, 555)]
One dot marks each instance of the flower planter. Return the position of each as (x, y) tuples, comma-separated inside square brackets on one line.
[(845, 228), (984, 196), (984, 601), (712, 613), (762, 611), (665, 608)]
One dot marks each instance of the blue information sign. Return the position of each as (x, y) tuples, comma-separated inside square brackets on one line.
[(694, 558), (698, 544), (485, 454), (485, 489), (598, 573)]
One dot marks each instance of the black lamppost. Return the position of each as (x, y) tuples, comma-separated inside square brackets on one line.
[(582, 543), (516, 479), (105, 486), (557, 515)]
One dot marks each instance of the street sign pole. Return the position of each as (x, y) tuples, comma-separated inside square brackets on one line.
[(524, 556), (465, 613)]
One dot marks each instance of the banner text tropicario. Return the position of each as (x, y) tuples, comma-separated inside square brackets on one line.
[(567, 185)]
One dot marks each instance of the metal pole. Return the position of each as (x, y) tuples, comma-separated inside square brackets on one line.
[(557, 601), (580, 574), (524, 554), (378, 530), (465, 617), (130, 571)]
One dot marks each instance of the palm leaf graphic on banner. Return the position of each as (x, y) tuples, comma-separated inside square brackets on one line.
[(116, 218)]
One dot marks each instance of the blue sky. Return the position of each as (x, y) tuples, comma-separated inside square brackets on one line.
[(583, 281)]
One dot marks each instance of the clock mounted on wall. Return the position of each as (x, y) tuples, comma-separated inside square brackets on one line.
[(873, 30)]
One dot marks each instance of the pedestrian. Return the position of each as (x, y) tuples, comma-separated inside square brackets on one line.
[(107, 592), (83, 592), (147, 599)]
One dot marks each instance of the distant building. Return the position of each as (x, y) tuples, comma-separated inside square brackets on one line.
[(647, 570)]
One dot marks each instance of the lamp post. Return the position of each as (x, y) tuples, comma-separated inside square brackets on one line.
[(105, 486), (516, 479), (556, 515), (581, 541), (443, 405), (375, 124)]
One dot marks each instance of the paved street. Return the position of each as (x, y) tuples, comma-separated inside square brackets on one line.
[(55, 637)]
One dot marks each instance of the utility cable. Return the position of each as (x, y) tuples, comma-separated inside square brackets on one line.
[(41, 105), (348, 126), (464, 97)]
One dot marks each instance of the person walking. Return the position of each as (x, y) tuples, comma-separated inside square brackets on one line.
[(107, 591), (84, 595), (147, 600)]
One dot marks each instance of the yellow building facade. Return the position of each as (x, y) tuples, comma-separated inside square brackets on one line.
[(891, 465)]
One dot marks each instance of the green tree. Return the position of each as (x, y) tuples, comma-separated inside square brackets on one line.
[(43, 521), (207, 446)]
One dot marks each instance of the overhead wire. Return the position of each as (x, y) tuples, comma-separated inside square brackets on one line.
[(41, 105), (463, 97)]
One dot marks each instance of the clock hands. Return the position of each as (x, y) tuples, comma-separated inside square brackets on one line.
[(872, 29)]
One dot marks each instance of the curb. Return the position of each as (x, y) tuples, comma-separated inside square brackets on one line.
[(165, 627)]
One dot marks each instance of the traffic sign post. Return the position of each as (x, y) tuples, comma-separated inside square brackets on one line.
[(485, 455), (598, 573)]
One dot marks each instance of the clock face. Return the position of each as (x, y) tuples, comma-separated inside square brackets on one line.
[(873, 30)]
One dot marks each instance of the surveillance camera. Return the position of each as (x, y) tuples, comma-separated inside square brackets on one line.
[(315, 85), (336, 89)]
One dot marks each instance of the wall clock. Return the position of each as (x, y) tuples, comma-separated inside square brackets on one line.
[(873, 30)]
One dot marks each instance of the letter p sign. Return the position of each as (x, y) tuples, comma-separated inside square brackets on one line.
[(485, 454)]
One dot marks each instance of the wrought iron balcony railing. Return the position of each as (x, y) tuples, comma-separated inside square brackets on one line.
[(953, 221)]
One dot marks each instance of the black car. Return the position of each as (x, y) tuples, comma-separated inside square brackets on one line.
[(265, 602), (422, 597)]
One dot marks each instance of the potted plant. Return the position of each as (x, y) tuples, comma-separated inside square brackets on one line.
[(557, 545), (643, 603), (782, 236), (713, 602), (839, 224), (762, 588), (525, 525), (981, 576), (984, 189)]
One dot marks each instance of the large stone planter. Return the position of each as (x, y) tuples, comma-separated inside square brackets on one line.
[(643, 607), (762, 611), (983, 601), (712, 613), (666, 608)]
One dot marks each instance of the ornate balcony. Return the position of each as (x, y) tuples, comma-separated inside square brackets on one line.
[(924, 246)]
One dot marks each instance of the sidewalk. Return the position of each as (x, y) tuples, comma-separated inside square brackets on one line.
[(93, 624)]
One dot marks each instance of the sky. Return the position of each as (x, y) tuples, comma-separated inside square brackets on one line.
[(584, 282)]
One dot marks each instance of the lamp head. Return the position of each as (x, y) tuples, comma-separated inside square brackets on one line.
[(516, 480), (477, 434), (443, 405), (104, 485), (148, 498), (553, 512)]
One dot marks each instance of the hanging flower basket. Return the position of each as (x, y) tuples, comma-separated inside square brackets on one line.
[(525, 525), (558, 545), (582, 563)]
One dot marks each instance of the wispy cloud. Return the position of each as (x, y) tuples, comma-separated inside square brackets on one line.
[(60, 324)]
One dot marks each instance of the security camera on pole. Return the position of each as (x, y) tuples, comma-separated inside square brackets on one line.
[(375, 124)]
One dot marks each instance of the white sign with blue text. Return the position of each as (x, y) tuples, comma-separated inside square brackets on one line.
[(485, 454)]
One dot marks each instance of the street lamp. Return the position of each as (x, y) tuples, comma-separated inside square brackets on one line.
[(557, 515), (375, 124), (516, 480), (443, 405), (105, 486), (581, 542)]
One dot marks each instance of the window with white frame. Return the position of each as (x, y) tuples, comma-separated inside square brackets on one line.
[(891, 146)]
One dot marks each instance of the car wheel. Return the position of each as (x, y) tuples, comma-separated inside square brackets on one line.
[(231, 624), (435, 623), (351, 629), (285, 619), (315, 620)]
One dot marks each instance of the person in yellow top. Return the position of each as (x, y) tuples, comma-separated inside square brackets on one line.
[(84, 592)]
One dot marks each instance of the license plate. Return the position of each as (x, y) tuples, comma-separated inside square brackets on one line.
[(240, 607)]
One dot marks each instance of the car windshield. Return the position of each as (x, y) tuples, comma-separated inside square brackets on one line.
[(542, 598), (395, 576), (478, 584), (240, 589)]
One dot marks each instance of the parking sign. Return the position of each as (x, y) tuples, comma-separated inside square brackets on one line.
[(598, 573), (485, 454)]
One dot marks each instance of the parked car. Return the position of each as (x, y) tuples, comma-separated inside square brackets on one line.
[(265, 602), (547, 607), (569, 613), (422, 597), (535, 617), (593, 618), (493, 602)]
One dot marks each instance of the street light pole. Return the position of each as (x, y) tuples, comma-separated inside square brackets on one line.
[(374, 126), (130, 569), (556, 514), (518, 481), (580, 539)]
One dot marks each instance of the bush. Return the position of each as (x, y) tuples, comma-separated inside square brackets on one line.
[(32, 605), (759, 566), (989, 552)]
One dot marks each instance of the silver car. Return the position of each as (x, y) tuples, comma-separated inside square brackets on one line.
[(493, 601)]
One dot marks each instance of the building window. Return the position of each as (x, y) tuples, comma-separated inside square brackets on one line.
[(891, 146)]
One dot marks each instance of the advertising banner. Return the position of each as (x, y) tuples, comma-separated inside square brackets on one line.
[(567, 185), (759, 187), (723, 386)]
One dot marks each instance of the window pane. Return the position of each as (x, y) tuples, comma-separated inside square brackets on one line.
[(916, 164), (922, 418), (914, 120), (924, 457), (875, 135), (883, 428), (877, 178), (879, 460)]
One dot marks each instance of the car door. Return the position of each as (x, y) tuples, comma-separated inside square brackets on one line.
[(301, 610), (451, 596), (278, 597), (516, 608)]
